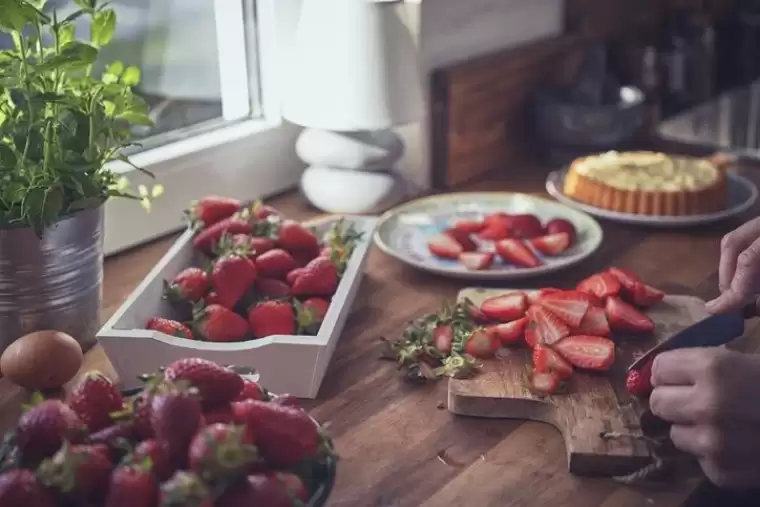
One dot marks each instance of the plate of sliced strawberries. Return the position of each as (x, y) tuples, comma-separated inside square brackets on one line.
[(488, 235)]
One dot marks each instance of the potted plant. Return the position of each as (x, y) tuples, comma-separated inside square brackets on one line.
[(61, 125)]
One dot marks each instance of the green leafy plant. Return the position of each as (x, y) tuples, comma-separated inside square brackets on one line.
[(60, 125)]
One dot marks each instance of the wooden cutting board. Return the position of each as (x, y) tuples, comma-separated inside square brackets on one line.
[(595, 403)]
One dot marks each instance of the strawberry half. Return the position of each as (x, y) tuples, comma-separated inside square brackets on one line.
[(469, 226), (476, 261), (530, 335), (443, 337), (587, 352), (602, 285), (549, 328), (444, 246), (481, 344), (463, 238), (546, 360), (544, 384), (594, 323), (506, 307), (624, 317), (515, 252), (627, 279), (644, 295), (495, 231), (509, 333), (567, 306), (639, 382), (552, 244), (535, 295)]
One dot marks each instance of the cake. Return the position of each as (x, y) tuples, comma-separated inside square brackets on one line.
[(648, 183)]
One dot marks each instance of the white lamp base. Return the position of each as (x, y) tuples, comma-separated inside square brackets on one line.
[(350, 172)]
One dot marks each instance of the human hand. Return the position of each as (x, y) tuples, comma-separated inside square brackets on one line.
[(710, 395), (739, 269)]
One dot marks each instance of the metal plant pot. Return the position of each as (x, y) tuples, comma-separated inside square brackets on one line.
[(54, 282)]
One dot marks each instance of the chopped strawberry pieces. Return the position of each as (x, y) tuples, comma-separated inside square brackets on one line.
[(444, 246), (514, 251), (494, 231), (469, 226), (481, 344), (627, 279), (624, 317), (476, 261), (549, 328), (544, 384), (552, 244), (602, 285), (463, 238), (535, 295), (530, 335), (587, 352), (594, 323), (644, 295), (567, 306), (547, 360), (506, 307), (509, 333)]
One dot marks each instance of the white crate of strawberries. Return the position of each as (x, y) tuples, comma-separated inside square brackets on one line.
[(245, 286)]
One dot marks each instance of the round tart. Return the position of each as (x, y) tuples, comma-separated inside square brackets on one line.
[(647, 183)]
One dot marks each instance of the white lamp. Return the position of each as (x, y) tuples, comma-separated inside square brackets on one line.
[(354, 77)]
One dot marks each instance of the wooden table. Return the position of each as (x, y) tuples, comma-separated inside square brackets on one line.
[(392, 436)]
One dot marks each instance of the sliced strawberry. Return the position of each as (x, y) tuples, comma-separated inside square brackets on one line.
[(639, 382), (506, 307), (644, 295), (515, 251), (624, 317), (496, 218), (531, 335), (552, 244), (444, 246), (463, 238), (627, 279), (469, 226), (587, 352), (567, 306), (494, 231), (443, 337), (602, 285), (481, 344), (549, 328), (509, 333), (594, 323), (524, 226), (534, 295), (476, 261), (476, 314), (546, 360), (544, 384), (592, 299)]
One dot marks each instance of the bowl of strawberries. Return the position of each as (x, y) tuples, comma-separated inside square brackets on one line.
[(196, 435)]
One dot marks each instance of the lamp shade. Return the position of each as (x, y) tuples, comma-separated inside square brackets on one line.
[(353, 67)]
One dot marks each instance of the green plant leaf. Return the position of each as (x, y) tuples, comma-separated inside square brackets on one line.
[(66, 32), (74, 54), (16, 14), (8, 158), (52, 205), (131, 76), (103, 27), (136, 118), (87, 5)]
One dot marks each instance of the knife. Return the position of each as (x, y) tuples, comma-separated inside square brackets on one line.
[(713, 331)]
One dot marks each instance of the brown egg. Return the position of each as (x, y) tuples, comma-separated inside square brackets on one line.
[(42, 360)]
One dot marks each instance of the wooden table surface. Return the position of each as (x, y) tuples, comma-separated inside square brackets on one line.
[(392, 436)]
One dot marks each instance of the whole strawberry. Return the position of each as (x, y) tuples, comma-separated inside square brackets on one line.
[(252, 391), (639, 382), (186, 489), (45, 427), (293, 237), (207, 239), (232, 276), (190, 285), (219, 415), (272, 288), (94, 398), (293, 275), (117, 437), (310, 314), (262, 489), (216, 323), (158, 455), (20, 488), (175, 417), (252, 246), (216, 384), (273, 317), (78, 472), (285, 436), (170, 327), (211, 209), (132, 485), (222, 451), (275, 263), (140, 410), (319, 278)]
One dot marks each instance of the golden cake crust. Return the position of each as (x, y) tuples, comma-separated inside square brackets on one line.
[(648, 183)]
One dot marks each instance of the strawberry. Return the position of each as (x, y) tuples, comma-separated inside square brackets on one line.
[(269, 318), (524, 226), (444, 246), (140, 411), (45, 427), (567, 306), (552, 244), (495, 218), (476, 261), (463, 238), (319, 278), (587, 352), (208, 238), (285, 436), (602, 286), (558, 225), (594, 323), (544, 384), (481, 344), (534, 295), (293, 276), (212, 298), (549, 328), (158, 455), (293, 236), (469, 226), (495, 231), (475, 313), (293, 484), (251, 246), (94, 398), (272, 288), (509, 333), (624, 317), (585, 296), (627, 279), (531, 334), (185, 489), (190, 284), (515, 252), (443, 338), (639, 382), (175, 417), (505, 307), (317, 308), (80, 473), (276, 489), (216, 384), (644, 295), (261, 211), (170, 327), (212, 209), (117, 437), (546, 360), (222, 451), (275, 263), (303, 257), (20, 488), (260, 244), (287, 400), (218, 324), (232, 276), (132, 485), (251, 391)]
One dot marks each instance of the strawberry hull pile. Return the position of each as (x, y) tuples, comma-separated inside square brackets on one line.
[(198, 435), (265, 274), (566, 330)]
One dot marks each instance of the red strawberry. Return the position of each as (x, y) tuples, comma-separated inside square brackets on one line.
[(546, 360), (602, 285), (549, 328), (117, 437), (531, 334), (186, 489), (216, 384), (552, 244), (269, 318), (272, 288), (45, 427), (251, 246), (644, 295), (293, 276), (544, 384), (319, 278), (567, 306), (585, 296), (524, 226), (557, 225), (295, 237), (132, 485), (494, 231), (534, 295), (211, 209), (463, 238), (476, 261), (481, 344), (175, 417), (317, 308), (587, 352), (639, 382), (510, 332), (190, 284), (594, 323), (515, 252), (94, 398), (506, 307), (170, 327), (261, 211), (158, 454), (475, 313), (20, 488), (469, 226), (275, 263), (79, 472), (251, 391), (232, 276), (260, 244), (443, 337), (285, 436), (496, 217), (624, 317), (140, 410), (303, 257), (222, 451), (208, 238), (627, 279), (212, 298), (271, 490), (218, 324), (444, 246)]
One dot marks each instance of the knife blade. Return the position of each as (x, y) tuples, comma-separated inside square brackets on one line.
[(712, 331)]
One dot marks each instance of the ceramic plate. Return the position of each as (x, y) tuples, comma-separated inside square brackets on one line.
[(403, 231), (742, 194)]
